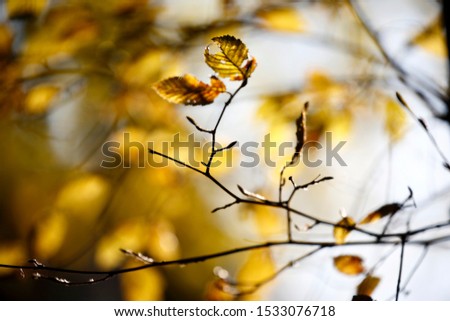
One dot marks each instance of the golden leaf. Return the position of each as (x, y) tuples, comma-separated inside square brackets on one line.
[(380, 213), (432, 38), (395, 121), (341, 232), (127, 235), (83, 197), (142, 285), (39, 99), (189, 90), (368, 285), (282, 19), (232, 61), (258, 267), (50, 232), (217, 290), (163, 242), (349, 264), (11, 253)]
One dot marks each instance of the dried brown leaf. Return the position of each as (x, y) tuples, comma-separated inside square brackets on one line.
[(383, 211), (368, 285), (189, 90)]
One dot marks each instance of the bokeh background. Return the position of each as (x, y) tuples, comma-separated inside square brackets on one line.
[(77, 73)]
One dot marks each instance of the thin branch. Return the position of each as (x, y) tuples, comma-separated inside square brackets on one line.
[(425, 128), (225, 206), (399, 279)]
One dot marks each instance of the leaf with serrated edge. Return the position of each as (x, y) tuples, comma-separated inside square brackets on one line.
[(189, 90), (368, 285), (345, 226), (380, 213), (349, 264), (232, 61)]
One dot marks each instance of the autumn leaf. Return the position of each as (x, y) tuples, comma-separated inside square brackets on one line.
[(342, 229), (395, 120), (432, 38), (232, 61), (142, 285), (40, 98), (349, 264), (188, 90), (368, 285), (282, 19), (383, 211)]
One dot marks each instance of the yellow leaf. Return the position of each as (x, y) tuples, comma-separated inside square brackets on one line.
[(217, 290), (258, 267), (128, 235), (432, 38), (395, 121), (11, 253), (163, 243), (349, 264), (83, 197), (267, 221), (50, 232), (232, 61), (142, 285), (368, 285), (25, 8), (282, 19), (380, 213), (189, 90), (341, 232), (39, 99)]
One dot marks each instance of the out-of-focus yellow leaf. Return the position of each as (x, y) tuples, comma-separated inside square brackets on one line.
[(50, 232), (189, 90), (65, 30), (25, 8), (432, 38), (38, 100), (132, 143), (128, 235), (145, 68), (258, 267), (163, 243), (142, 285), (380, 213), (349, 264), (83, 197), (11, 253), (232, 61), (217, 290), (266, 220), (395, 121), (282, 19), (368, 285), (6, 40), (341, 232)]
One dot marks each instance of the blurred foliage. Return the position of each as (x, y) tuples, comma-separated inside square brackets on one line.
[(77, 73)]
